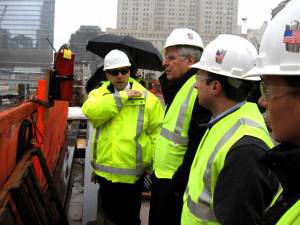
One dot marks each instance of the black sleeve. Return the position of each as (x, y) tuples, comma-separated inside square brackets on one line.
[(200, 117), (244, 187)]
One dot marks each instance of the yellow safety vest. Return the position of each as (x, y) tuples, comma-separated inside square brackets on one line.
[(292, 216), (172, 143), (125, 132), (210, 159)]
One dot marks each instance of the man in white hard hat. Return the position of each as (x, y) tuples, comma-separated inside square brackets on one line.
[(278, 64), (127, 120), (182, 127), (227, 184)]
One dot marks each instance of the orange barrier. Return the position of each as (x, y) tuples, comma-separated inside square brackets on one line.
[(10, 121), (54, 122)]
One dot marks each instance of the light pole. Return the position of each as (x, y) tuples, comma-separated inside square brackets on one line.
[(244, 25)]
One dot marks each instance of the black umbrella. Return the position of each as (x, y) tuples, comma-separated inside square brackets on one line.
[(95, 79), (142, 53)]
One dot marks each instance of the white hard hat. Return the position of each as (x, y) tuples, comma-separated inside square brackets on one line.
[(184, 36), (115, 59), (279, 52), (228, 55)]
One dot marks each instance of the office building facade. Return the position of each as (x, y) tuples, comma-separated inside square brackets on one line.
[(26, 28), (203, 16), (154, 20)]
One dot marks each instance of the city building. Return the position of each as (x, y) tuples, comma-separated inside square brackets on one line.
[(157, 38), (78, 42), (154, 20), (204, 16), (86, 62), (255, 35), (218, 17), (26, 35)]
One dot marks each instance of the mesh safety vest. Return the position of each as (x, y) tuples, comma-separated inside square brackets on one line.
[(172, 143), (210, 158), (125, 132)]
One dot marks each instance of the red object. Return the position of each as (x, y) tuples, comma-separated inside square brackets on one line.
[(65, 68), (41, 94), (54, 123)]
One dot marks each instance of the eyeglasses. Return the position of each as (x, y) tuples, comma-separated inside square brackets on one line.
[(171, 58), (267, 92), (115, 72)]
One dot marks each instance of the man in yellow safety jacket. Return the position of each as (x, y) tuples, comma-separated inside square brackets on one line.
[(183, 126), (227, 183), (278, 64), (127, 120)]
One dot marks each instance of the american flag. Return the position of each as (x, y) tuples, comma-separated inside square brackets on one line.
[(220, 54), (190, 36), (291, 37)]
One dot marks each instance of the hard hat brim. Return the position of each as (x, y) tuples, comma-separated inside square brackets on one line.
[(117, 66), (274, 70), (224, 73)]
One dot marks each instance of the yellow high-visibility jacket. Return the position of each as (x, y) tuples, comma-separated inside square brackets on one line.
[(125, 131), (173, 139), (292, 216), (210, 158)]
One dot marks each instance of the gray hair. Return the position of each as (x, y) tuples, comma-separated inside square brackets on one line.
[(187, 50)]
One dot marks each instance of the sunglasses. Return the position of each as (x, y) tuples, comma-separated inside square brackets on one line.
[(116, 72)]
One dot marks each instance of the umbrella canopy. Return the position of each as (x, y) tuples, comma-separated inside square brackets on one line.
[(142, 53), (95, 79)]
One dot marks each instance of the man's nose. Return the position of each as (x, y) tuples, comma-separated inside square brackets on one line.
[(164, 63)]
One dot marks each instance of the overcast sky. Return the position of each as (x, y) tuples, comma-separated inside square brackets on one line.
[(70, 14)]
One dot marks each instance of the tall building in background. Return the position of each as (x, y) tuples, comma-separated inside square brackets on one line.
[(154, 20), (172, 14), (78, 43), (135, 15), (218, 16), (26, 28), (86, 62), (159, 15)]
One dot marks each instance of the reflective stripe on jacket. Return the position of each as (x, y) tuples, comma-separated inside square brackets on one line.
[(172, 142), (210, 159), (125, 131)]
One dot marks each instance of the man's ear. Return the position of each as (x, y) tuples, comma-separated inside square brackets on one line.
[(216, 87), (190, 59)]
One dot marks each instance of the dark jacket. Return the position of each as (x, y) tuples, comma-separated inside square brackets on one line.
[(284, 160), (199, 120), (245, 187)]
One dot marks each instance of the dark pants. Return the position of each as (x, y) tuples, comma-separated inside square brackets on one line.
[(121, 202), (165, 206)]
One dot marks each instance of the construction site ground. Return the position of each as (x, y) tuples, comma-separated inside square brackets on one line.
[(76, 194)]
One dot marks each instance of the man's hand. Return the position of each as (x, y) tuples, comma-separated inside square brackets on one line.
[(133, 93)]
